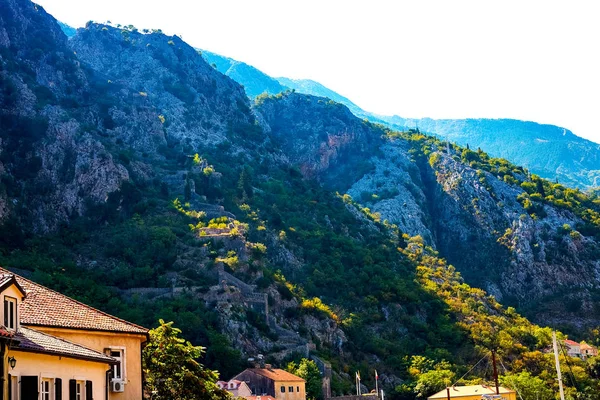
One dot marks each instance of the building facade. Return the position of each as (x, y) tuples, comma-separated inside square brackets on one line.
[(54, 347), (273, 382)]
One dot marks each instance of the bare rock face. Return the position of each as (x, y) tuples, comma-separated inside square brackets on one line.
[(322, 137), (168, 81), (51, 165)]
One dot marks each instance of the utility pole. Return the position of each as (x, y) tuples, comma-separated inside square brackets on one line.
[(495, 371), (560, 385)]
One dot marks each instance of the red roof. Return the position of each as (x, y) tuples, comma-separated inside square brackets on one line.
[(276, 374), (45, 307), (571, 342)]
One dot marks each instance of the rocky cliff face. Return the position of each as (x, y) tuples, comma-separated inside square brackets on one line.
[(472, 217), (51, 162), (323, 138)]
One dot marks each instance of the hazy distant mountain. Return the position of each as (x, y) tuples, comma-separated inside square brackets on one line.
[(255, 82), (547, 150)]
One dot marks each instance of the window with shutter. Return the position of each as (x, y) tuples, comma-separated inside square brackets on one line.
[(29, 388), (89, 392), (10, 313), (72, 389), (58, 389)]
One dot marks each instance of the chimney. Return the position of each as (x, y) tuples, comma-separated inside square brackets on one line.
[(269, 367)]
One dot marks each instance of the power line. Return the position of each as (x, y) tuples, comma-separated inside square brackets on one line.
[(472, 368)]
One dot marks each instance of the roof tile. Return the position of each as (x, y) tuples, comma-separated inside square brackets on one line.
[(32, 340), (45, 307)]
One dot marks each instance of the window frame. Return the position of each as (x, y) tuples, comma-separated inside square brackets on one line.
[(9, 300), (282, 389), (123, 363), (50, 386), (290, 389)]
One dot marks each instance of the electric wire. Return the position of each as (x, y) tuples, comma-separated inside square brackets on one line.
[(513, 380), (472, 368)]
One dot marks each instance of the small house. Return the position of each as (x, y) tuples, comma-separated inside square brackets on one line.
[(475, 392), (573, 348), (273, 382), (236, 388)]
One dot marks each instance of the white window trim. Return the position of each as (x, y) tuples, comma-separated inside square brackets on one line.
[(123, 351), (15, 319), (51, 390)]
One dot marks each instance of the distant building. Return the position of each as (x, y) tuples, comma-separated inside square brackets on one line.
[(277, 383), (236, 388), (587, 350), (475, 392), (573, 348)]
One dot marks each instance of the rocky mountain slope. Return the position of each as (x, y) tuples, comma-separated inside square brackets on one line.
[(141, 180), (549, 151)]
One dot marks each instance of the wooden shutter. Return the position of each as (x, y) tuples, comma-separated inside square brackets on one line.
[(89, 392), (29, 388), (58, 389), (72, 389)]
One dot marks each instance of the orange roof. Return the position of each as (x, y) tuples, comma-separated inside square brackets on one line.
[(571, 342), (38, 342), (45, 307), (276, 374)]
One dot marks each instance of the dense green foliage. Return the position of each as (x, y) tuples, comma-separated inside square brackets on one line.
[(308, 370), (172, 371)]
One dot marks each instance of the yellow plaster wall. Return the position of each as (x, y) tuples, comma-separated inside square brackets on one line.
[(505, 396), (102, 340), (301, 395), (47, 366)]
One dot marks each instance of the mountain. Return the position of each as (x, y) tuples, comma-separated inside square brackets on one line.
[(552, 152), (254, 81), (69, 31), (547, 150), (141, 180)]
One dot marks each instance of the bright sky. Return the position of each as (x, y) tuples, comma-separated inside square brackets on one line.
[(530, 60)]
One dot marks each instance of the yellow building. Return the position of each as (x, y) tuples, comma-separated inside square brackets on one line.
[(55, 347), (274, 382), (475, 392)]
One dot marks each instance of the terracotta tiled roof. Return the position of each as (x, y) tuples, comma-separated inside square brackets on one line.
[(571, 342), (45, 307), (7, 279), (38, 342), (276, 374)]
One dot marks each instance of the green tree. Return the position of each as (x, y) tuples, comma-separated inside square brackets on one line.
[(308, 370), (528, 386), (433, 381), (172, 370)]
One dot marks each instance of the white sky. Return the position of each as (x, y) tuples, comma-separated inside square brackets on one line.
[(530, 60)]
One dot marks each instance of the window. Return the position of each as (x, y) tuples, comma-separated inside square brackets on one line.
[(291, 389), (46, 385), (10, 313), (298, 389), (118, 370), (79, 390), (283, 389)]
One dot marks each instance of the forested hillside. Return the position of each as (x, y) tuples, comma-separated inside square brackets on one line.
[(141, 180)]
